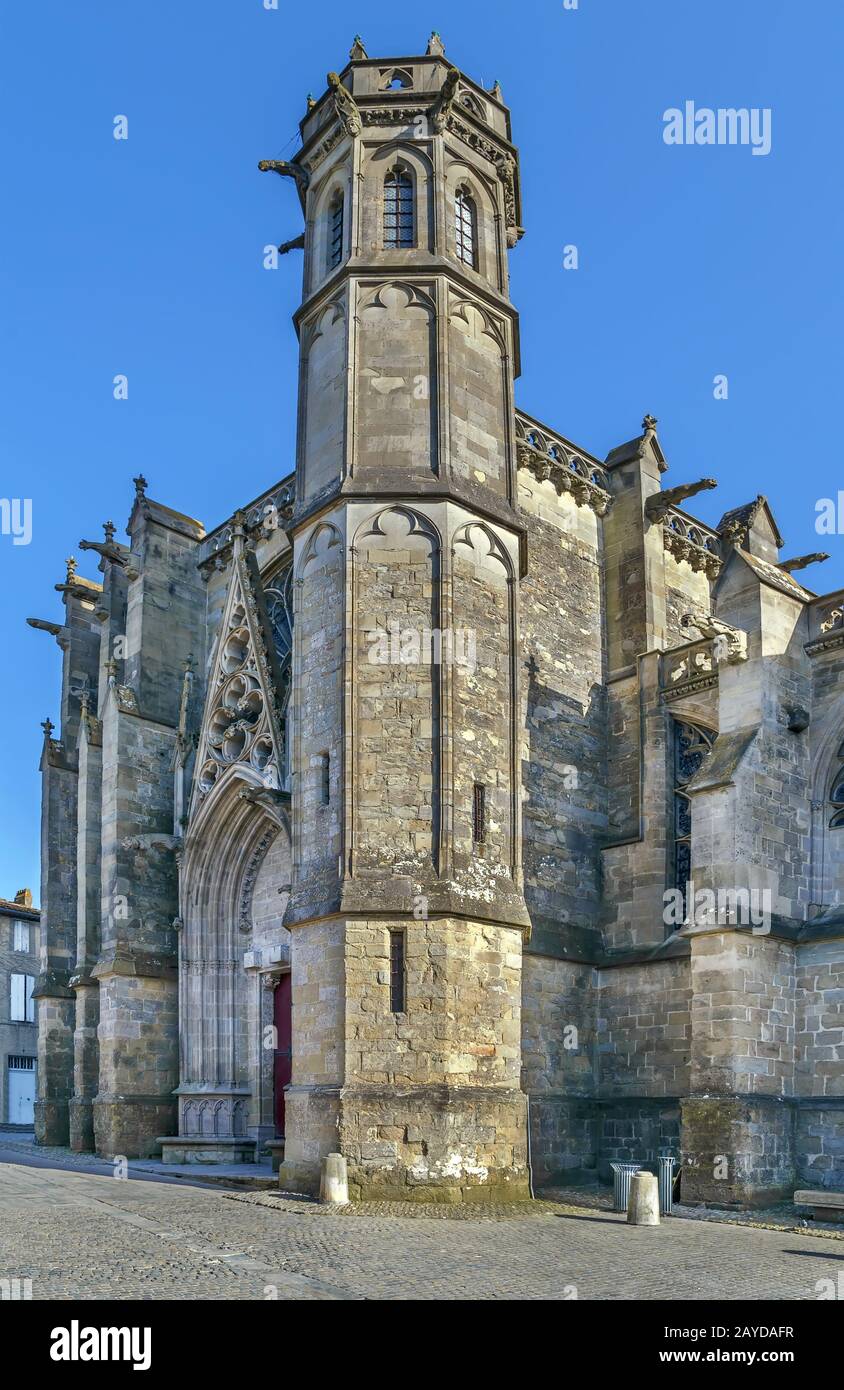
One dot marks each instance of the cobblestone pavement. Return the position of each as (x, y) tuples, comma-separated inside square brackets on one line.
[(78, 1233)]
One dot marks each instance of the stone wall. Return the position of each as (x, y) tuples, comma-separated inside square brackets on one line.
[(820, 1064), (559, 1067), (563, 754), (431, 1095)]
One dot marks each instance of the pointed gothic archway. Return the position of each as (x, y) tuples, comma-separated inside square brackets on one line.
[(234, 879)]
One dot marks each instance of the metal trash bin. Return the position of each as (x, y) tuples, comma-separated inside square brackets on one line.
[(622, 1176), (665, 1177)]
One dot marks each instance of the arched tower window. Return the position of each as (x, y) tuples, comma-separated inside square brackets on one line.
[(335, 231), (398, 208), (836, 795), (466, 227), (692, 746), (279, 599)]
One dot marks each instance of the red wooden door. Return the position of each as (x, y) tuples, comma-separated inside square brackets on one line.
[(283, 1069)]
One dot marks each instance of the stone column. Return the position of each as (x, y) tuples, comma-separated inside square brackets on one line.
[(85, 1045)]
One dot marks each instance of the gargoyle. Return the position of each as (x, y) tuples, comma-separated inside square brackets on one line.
[(111, 552), (659, 504), (286, 170), (802, 561), (345, 106), (297, 244), (730, 643), (157, 840), (41, 625), (445, 101)]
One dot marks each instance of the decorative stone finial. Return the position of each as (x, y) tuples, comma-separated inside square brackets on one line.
[(109, 530), (140, 485), (495, 91), (436, 47), (48, 727), (311, 100), (649, 424), (71, 567), (357, 51)]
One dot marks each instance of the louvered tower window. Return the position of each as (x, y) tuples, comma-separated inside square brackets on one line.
[(691, 748), (398, 208), (335, 232), (466, 227)]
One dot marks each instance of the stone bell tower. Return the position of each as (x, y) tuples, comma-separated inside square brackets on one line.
[(406, 911)]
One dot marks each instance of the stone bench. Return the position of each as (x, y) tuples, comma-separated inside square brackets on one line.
[(826, 1206)]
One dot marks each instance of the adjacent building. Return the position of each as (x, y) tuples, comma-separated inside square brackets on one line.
[(19, 924)]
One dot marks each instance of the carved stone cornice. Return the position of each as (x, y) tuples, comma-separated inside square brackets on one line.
[(483, 144), (696, 556), (391, 115), (564, 477), (685, 541)]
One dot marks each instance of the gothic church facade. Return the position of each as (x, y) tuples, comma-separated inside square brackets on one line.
[(366, 805)]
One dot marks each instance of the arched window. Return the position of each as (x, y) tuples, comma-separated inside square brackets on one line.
[(397, 79), (398, 208), (466, 227), (279, 600), (692, 746), (335, 231), (836, 795)]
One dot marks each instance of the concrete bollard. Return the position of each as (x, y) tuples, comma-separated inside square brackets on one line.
[(334, 1179), (643, 1207)]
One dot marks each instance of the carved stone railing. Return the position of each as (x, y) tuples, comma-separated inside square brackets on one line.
[(550, 457), (826, 623), (687, 539), (688, 669), (268, 512)]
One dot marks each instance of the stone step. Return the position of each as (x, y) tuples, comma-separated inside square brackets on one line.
[(826, 1206), (256, 1177)]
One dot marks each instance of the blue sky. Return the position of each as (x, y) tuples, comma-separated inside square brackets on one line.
[(144, 257)]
